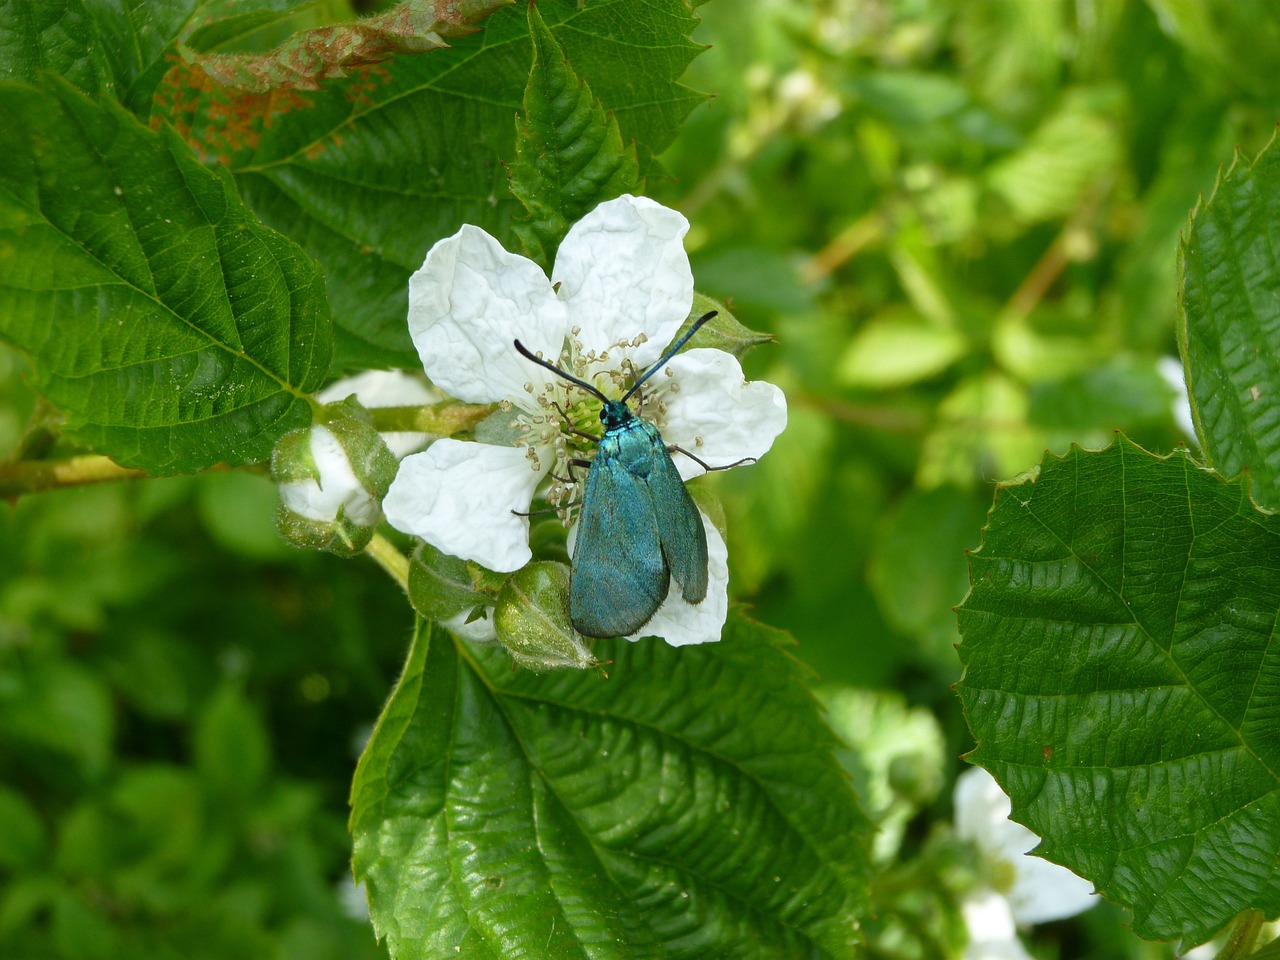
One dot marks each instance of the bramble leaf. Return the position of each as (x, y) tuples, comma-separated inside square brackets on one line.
[(1230, 322), (174, 329), (1122, 680), (687, 805), (372, 169), (569, 151)]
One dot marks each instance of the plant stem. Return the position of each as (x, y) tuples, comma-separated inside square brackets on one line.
[(1244, 932), (33, 476), (443, 420), (384, 552)]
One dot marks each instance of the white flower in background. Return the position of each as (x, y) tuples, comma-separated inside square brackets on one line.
[(1171, 372), (620, 289), (1032, 891)]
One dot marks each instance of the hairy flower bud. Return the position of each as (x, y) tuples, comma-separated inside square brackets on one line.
[(532, 619), (332, 477)]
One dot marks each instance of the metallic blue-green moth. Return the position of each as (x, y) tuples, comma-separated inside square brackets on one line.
[(638, 528)]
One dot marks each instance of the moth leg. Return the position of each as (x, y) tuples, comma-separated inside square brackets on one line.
[(676, 448), (537, 513)]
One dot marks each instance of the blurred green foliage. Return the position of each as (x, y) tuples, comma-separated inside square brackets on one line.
[(959, 217)]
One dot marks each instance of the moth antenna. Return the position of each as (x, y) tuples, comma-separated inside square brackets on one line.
[(671, 352), (524, 352)]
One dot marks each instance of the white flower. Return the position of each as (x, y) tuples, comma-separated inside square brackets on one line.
[(1033, 890), (620, 289)]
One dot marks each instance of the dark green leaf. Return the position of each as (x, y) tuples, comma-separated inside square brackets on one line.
[(687, 805), (231, 748), (1123, 683), (569, 152), (372, 169), (59, 36), (1230, 330), (174, 329)]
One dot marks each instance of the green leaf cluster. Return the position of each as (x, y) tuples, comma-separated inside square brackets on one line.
[(954, 223), (1120, 630)]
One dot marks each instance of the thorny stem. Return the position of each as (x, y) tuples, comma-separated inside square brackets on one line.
[(34, 476), (384, 552)]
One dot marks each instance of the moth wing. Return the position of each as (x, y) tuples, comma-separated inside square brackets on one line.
[(619, 577), (684, 538)]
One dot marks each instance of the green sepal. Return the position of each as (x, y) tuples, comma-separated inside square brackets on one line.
[(722, 332), (371, 459), (341, 536), (569, 150), (532, 619), (442, 586)]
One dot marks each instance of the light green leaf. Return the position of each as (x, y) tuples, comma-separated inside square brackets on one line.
[(687, 805), (1065, 155), (897, 351), (375, 167), (173, 328), (1122, 680), (569, 151), (1230, 329)]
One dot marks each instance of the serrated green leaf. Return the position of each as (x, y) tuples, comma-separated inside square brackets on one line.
[(685, 806), (174, 329), (569, 151), (1123, 682), (369, 171), (1230, 323)]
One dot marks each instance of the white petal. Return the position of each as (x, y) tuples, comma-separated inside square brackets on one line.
[(481, 630), (1041, 890), (458, 496), (733, 417), (992, 934), (467, 303), (623, 271), (337, 488), (382, 388), (681, 623)]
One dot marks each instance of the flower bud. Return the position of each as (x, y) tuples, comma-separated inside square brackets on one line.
[(332, 477), (448, 590), (532, 619)]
